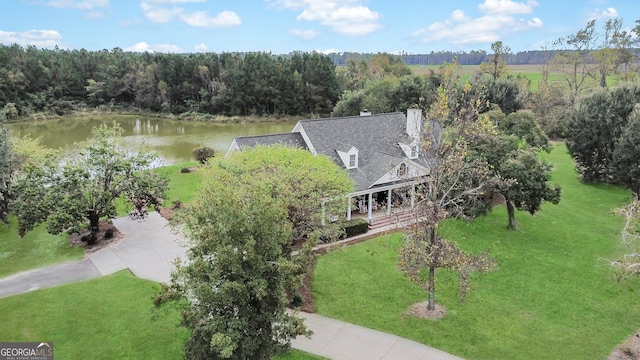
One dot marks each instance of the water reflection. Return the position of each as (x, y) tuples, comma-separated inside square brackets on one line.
[(173, 140)]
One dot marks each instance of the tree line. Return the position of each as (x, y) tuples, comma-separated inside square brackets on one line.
[(231, 84)]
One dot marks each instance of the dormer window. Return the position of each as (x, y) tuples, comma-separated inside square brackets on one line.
[(410, 150), (349, 158)]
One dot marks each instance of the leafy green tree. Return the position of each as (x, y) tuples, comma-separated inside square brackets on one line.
[(595, 127), (350, 103), (241, 269), (455, 187), (512, 156), (608, 55), (304, 180), (574, 60), (80, 187), (7, 165), (203, 154), (496, 66), (14, 154), (388, 94), (550, 104), (524, 125), (506, 93), (626, 155), (527, 184)]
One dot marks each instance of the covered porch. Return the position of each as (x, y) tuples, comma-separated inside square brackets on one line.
[(382, 202)]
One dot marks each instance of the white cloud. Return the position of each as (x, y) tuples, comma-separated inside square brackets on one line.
[(74, 4), (341, 16), (608, 13), (202, 19), (145, 47), (329, 51), (159, 14), (38, 38), (201, 47), (459, 15), (506, 7), (305, 34), (497, 21)]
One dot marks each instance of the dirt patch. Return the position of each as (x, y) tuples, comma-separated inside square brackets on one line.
[(108, 235), (628, 350), (421, 310), (167, 212)]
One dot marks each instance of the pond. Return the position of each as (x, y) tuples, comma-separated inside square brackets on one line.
[(172, 140)]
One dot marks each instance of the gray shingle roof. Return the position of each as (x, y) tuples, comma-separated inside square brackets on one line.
[(376, 137), (288, 139)]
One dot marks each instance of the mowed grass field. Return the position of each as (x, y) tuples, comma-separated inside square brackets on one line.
[(531, 72), (551, 296), (107, 318)]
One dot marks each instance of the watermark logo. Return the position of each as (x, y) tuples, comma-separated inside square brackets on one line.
[(26, 351)]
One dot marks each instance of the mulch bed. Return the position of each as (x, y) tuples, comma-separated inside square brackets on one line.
[(108, 235), (629, 350), (421, 310), (306, 291)]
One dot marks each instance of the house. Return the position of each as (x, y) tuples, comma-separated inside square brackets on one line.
[(379, 151)]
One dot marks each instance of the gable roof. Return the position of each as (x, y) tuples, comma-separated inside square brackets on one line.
[(375, 136), (292, 139)]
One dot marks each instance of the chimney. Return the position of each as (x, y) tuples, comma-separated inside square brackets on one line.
[(414, 125), (365, 112)]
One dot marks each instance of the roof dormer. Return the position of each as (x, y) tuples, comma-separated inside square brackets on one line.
[(411, 150), (349, 158)]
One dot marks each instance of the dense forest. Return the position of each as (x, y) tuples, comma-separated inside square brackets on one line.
[(44, 80), (232, 84), (474, 57)]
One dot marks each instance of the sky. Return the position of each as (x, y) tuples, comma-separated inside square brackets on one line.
[(283, 26)]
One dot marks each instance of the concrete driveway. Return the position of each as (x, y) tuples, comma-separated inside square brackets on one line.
[(148, 250)]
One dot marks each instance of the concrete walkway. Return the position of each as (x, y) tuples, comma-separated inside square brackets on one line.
[(148, 250)]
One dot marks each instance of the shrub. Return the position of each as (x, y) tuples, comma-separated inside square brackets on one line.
[(185, 170), (177, 204), (355, 227), (202, 154), (296, 300)]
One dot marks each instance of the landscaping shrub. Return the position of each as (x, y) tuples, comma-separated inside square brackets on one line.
[(202, 154), (355, 227), (185, 170)]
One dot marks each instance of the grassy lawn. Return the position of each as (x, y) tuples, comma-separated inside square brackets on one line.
[(37, 248), (182, 186), (107, 318), (551, 296)]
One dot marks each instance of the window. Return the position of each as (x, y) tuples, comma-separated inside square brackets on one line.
[(352, 161), (414, 152), (402, 170)]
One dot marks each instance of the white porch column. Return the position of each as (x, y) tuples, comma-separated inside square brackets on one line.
[(389, 202), (413, 196), (370, 207), (349, 208)]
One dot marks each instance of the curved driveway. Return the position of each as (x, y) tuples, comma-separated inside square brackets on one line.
[(148, 250)]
